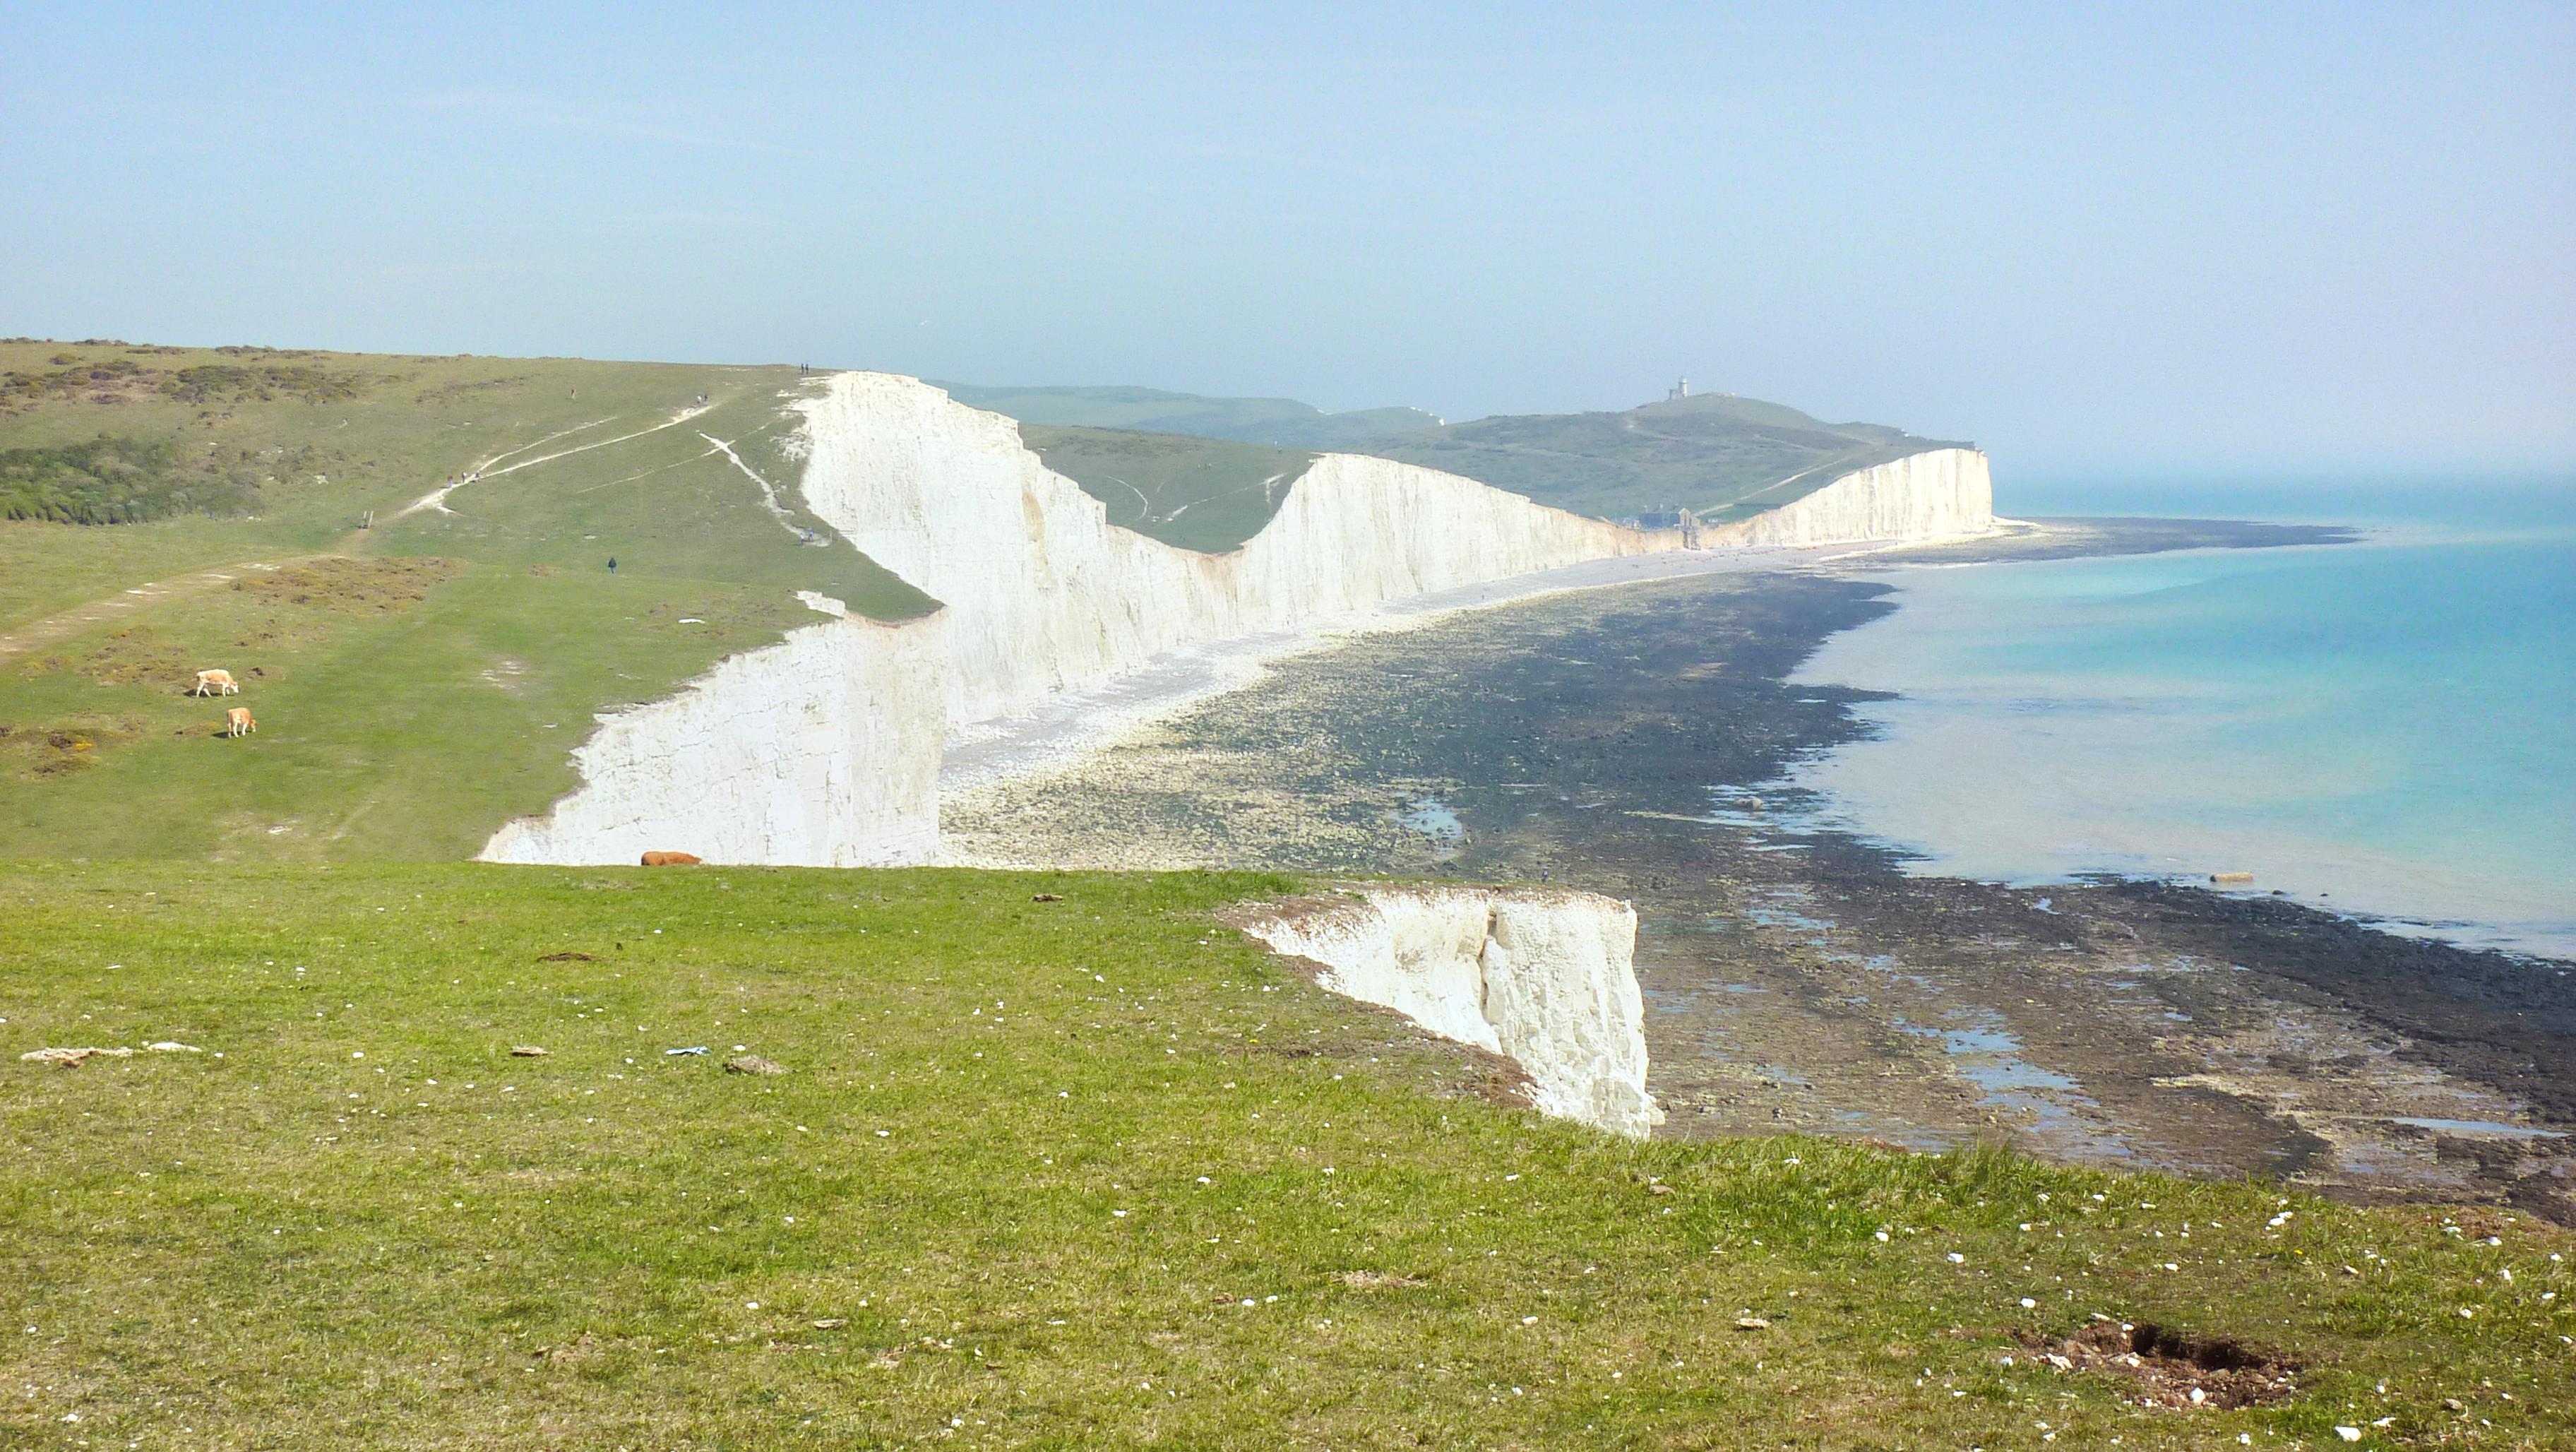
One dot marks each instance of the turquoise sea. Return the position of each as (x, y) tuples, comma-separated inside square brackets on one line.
[(2385, 728)]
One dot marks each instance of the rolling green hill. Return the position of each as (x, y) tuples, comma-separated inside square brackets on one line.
[(1279, 422), (416, 683), (1199, 494), (1715, 455)]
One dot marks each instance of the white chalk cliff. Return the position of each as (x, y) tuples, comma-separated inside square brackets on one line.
[(1937, 494), (1545, 978), (824, 749), (819, 751), (1045, 595)]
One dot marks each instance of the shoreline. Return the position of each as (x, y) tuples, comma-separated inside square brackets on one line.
[(1062, 733), (1799, 979)]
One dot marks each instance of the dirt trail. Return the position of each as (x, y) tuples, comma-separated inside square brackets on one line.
[(437, 498), (71, 622), (52, 628), (768, 492)]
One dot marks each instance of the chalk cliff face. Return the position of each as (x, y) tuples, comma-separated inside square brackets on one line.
[(819, 751), (1545, 978), (1044, 595), (825, 749), (1929, 495)]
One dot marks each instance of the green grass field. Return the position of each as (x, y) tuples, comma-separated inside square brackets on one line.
[(389, 727), (1091, 1172)]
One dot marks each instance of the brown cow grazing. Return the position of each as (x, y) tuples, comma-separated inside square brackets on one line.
[(237, 722), (671, 859), (214, 683)]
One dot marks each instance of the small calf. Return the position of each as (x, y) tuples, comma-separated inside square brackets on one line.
[(670, 859), (215, 683), (237, 722)]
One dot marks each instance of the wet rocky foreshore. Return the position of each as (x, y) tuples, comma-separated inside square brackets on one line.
[(1630, 741)]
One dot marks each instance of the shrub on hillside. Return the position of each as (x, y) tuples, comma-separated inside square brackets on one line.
[(110, 480)]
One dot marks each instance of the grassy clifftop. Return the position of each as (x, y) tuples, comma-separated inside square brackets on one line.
[(416, 683), (1082, 1172)]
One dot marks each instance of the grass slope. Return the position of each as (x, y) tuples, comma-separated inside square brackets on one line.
[(407, 724), (1199, 494), (1089, 1172)]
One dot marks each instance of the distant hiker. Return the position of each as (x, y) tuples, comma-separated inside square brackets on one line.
[(612, 564)]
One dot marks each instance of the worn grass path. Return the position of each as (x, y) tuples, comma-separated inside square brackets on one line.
[(1091, 1172), (55, 629)]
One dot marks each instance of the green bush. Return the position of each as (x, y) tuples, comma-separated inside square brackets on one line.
[(110, 480)]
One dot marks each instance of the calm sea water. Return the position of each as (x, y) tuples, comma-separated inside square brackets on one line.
[(2386, 728)]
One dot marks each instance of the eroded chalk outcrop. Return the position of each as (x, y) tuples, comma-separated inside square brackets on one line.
[(1544, 977)]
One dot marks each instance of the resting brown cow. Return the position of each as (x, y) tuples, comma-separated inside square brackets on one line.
[(670, 859)]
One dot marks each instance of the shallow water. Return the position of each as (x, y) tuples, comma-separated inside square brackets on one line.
[(2382, 728)]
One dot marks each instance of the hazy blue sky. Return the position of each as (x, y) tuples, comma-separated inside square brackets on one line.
[(2088, 236)]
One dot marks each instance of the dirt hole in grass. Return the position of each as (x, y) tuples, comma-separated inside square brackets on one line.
[(1370, 1280), (63, 749), (2170, 1367)]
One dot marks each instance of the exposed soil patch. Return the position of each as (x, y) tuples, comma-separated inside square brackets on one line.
[(1368, 1280), (359, 586), (60, 750), (2167, 1367)]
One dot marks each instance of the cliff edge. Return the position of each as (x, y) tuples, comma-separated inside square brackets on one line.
[(1545, 978)]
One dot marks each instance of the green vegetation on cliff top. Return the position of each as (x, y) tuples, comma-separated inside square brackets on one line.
[(1279, 422), (1089, 1172), (1716, 455), (417, 683)]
